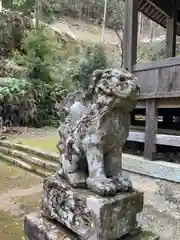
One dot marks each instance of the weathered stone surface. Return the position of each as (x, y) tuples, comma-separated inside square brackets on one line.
[(144, 235), (39, 228), (88, 215), (95, 130)]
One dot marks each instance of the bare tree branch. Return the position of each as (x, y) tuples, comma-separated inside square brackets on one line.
[(121, 41)]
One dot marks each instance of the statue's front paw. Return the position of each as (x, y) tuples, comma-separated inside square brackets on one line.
[(122, 184), (102, 186)]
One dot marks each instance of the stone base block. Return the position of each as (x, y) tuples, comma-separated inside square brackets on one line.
[(88, 215), (39, 228)]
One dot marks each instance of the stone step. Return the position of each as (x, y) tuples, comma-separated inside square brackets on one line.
[(30, 159), (37, 227), (19, 163), (37, 152)]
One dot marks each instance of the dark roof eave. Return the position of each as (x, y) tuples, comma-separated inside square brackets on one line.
[(158, 11)]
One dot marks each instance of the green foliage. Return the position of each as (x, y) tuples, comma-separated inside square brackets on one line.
[(158, 51), (24, 103), (18, 58), (10, 69), (17, 101), (152, 51), (89, 9), (24, 6), (30, 99), (12, 28), (18, 3), (43, 52), (78, 69), (46, 96), (93, 58), (93, 10)]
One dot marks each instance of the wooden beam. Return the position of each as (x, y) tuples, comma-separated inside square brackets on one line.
[(136, 136), (130, 34), (160, 139), (171, 32), (161, 6), (168, 140), (169, 62), (141, 104), (159, 95), (160, 130), (168, 103), (158, 169), (150, 129), (161, 103)]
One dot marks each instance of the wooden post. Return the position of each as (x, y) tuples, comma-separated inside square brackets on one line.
[(130, 34), (171, 32), (150, 129)]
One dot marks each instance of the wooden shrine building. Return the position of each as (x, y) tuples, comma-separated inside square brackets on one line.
[(159, 80)]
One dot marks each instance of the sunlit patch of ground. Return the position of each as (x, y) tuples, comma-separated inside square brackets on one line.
[(45, 139), (48, 143), (20, 193)]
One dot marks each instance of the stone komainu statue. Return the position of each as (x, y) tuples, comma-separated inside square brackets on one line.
[(95, 130)]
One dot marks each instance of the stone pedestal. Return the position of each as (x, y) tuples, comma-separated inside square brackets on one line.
[(88, 215), (39, 228)]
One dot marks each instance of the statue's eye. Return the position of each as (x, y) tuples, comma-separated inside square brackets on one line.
[(122, 78)]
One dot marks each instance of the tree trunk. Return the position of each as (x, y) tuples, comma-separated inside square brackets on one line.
[(104, 21), (140, 24), (151, 30), (38, 5), (0, 5)]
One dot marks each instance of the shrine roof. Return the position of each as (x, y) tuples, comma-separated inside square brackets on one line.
[(158, 10)]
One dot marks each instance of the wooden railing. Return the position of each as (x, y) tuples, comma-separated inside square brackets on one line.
[(159, 79), (160, 139)]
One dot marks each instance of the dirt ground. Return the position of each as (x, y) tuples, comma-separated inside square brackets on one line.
[(45, 138), (161, 205), (20, 193)]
